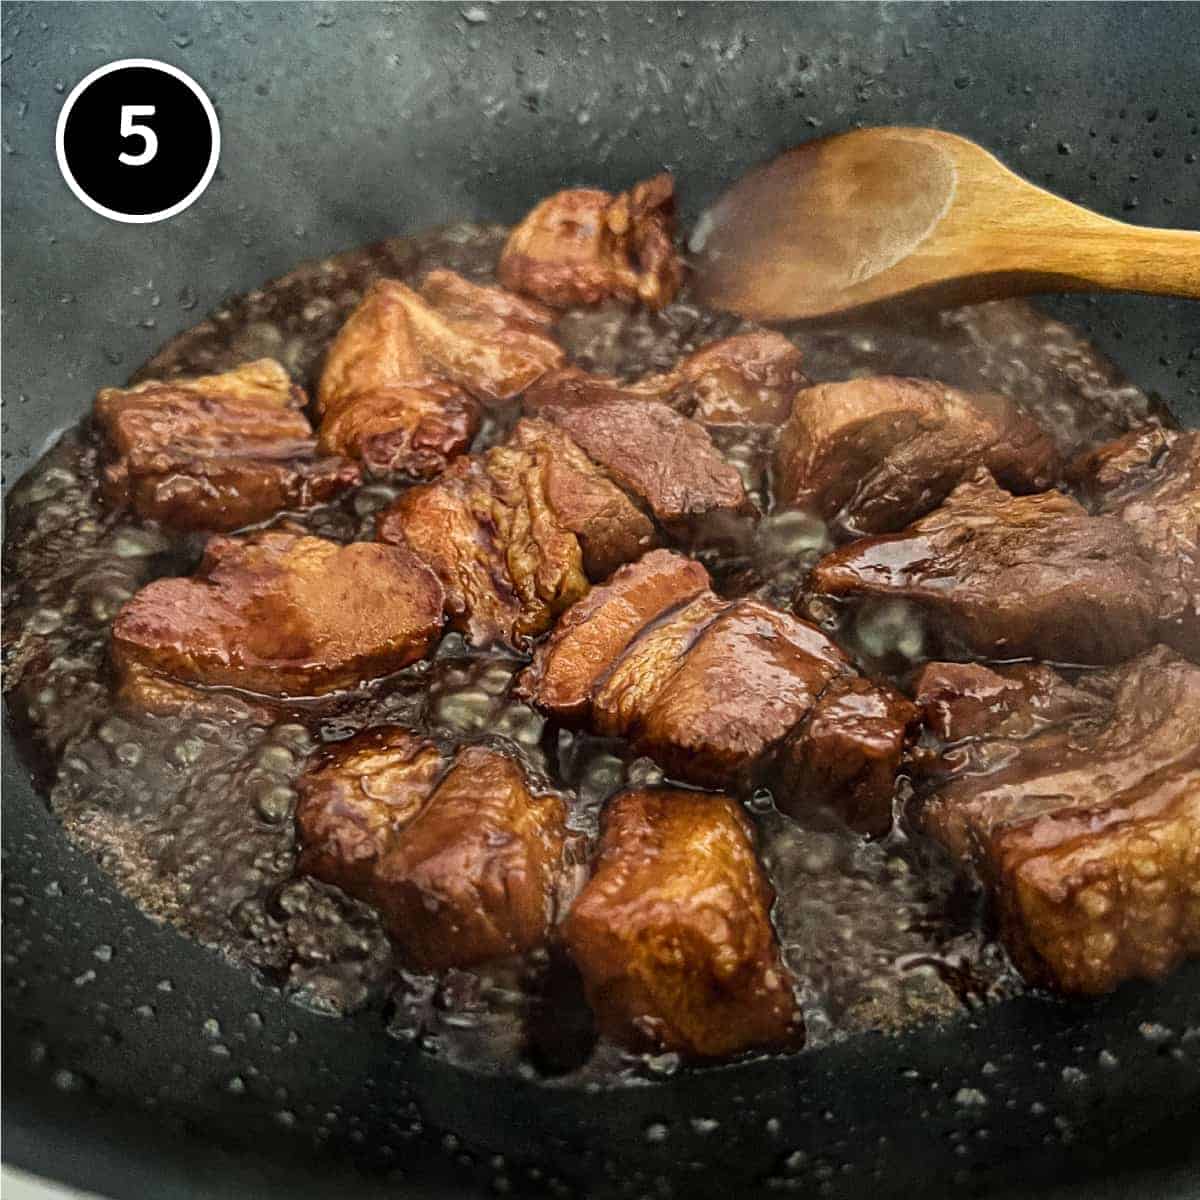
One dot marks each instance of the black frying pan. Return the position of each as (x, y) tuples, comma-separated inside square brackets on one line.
[(343, 124)]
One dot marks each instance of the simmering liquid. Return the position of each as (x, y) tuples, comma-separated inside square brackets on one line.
[(194, 819)]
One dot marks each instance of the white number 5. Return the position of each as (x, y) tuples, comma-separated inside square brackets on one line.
[(129, 129)]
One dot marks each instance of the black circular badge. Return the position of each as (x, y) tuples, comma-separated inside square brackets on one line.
[(138, 140)]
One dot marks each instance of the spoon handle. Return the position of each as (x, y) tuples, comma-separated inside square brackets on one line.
[(1114, 257)]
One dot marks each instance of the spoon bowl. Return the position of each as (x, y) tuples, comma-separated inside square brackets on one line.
[(853, 221)]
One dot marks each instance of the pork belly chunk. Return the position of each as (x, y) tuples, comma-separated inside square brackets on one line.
[(849, 748), (505, 570), (984, 723), (408, 431), (749, 379), (476, 874), (1122, 465), (568, 667), (1163, 510), (215, 452), (404, 379), (1006, 576), (712, 690), (142, 690), (516, 534), (357, 797), (582, 246), (572, 387), (482, 339), (872, 455), (672, 934), (745, 380), (709, 693), (460, 855), (958, 701), (611, 529), (666, 461), (283, 615), (1079, 806)]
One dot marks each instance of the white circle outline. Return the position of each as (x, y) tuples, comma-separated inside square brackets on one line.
[(138, 218)]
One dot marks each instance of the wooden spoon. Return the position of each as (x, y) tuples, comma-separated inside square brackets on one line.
[(850, 221)]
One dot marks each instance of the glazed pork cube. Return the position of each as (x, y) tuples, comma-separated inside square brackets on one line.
[(1122, 465), (142, 690), (506, 568), (222, 496), (593, 634), (461, 857), (356, 799), (583, 245), (408, 431), (490, 342), (486, 341), (1164, 514), (872, 455), (749, 379), (404, 380), (611, 529), (476, 874), (713, 690), (283, 615), (666, 461), (1079, 806), (849, 748), (672, 933), (1006, 576), (1091, 899), (958, 701), (985, 723), (633, 682), (516, 534), (572, 387), (710, 692), (215, 452), (746, 380)]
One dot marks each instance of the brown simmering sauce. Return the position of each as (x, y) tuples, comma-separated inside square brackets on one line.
[(193, 814)]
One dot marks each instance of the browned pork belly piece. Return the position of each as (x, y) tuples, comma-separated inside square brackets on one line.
[(516, 534), (709, 691), (357, 796), (583, 245), (849, 747), (283, 615), (712, 689), (461, 857), (506, 563), (215, 452), (593, 634), (745, 380), (1160, 501), (749, 379), (1123, 464), (411, 431), (404, 379), (575, 388), (1079, 805), (1006, 576), (611, 529), (963, 700), (482, 339), (143, 690), (672, 934), (666, 461), (871, 455)]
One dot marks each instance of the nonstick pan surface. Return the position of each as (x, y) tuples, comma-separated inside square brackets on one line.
[(154, 1069)]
